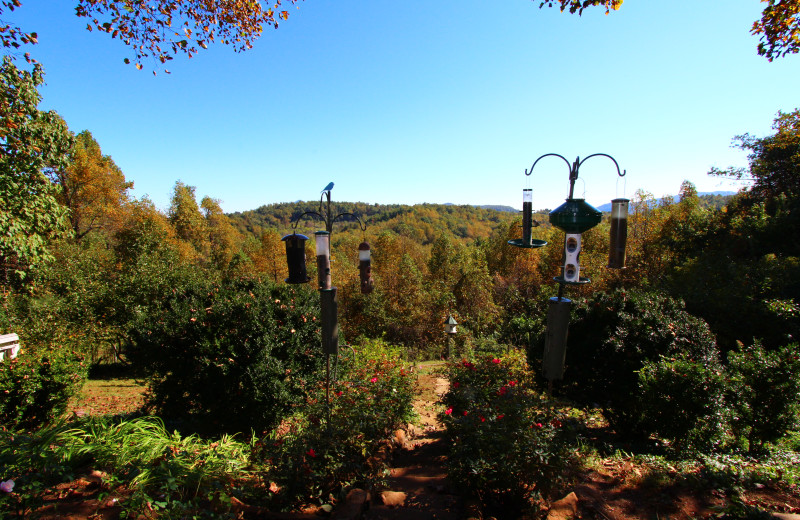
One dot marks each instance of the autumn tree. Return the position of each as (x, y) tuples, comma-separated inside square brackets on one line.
[(779, 28), (222, 236), (473, 293), (189, 223), (774, 161), (31, 141), (146, 231), (159, 30), (93, 187)]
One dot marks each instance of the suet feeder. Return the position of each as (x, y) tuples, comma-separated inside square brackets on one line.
[(365, 267), (555, 344), (619, 233), (329, 318), (296, 258)]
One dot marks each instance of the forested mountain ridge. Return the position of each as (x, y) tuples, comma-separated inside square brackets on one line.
[(423, 223)]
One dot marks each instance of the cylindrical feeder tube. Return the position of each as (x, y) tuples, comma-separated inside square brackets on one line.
[(555, 345), (527, 215), (296, 258), (323, 241), (329, 316), (619, 233), (365, 268)]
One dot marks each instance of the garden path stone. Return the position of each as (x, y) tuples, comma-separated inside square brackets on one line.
[(418, 473)]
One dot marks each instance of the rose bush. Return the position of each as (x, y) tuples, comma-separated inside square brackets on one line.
[(324, 450), (505, 438)]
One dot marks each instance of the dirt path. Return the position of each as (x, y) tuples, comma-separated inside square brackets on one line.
[(418, 487)]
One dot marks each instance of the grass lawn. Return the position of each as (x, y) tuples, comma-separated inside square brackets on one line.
[(108, 397)]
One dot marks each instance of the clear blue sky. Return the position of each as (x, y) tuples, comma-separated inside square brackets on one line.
[(439, 101)]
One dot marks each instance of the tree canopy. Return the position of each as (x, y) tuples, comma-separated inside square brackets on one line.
[(779, 28), (774, 160), (93, 187), (31, 142), (159, 30)]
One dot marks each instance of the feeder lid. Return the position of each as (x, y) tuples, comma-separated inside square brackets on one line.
[(575, 216), (295, 236)]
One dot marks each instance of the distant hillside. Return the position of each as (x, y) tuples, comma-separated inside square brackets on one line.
[(507, 209), (712, 199), (421, 222)]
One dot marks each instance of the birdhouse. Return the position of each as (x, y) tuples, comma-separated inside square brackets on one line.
[(450, 325)]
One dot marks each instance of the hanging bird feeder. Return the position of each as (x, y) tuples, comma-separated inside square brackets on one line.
[(527, 222), (296, 258), (365, 267)]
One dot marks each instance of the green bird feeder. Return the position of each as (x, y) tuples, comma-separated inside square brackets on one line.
[(575, 216)]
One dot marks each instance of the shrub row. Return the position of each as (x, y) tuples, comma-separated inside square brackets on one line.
[(655, 369), (312, 456)]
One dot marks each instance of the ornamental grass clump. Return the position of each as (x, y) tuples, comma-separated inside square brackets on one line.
[(319, 453), (506, 442), (166, 474)]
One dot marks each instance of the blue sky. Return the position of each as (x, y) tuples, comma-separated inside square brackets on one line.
[(440, 101)]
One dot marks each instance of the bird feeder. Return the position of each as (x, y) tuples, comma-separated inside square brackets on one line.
[(296, 258), (555, 345), (365, 267), (329, 320), (527, 223), (619, 233), (323, 243), (574, 217), (450, 325)]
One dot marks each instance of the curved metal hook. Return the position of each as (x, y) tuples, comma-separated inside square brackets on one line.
[(314, 213), (361, 224), (547, 155), (604, 155)]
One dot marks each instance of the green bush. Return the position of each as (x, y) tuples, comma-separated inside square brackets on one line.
[(683, 400), (230, 357), (36, 386), (504, 438), (763, 393), (611, 338), (322, 450)]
